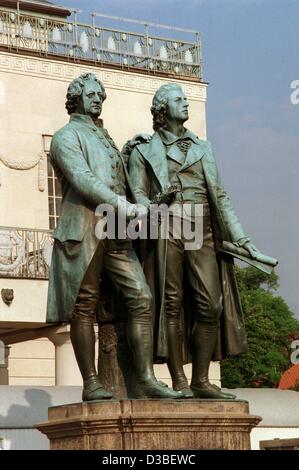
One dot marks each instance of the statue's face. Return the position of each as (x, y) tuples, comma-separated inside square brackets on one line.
[(91, 100), (177, 106)]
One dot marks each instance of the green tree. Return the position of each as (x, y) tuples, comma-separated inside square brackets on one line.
[(268, 322)]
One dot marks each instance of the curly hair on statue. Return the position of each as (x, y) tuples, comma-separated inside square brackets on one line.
[(75, 89), (159, 104)]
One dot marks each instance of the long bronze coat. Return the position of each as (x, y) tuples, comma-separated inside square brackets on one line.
[(148, 173), (79, 156)]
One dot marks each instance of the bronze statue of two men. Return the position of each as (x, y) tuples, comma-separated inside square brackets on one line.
[(92, 172)]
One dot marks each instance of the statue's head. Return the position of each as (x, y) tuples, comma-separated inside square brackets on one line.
[(169, 103), (85, 95)]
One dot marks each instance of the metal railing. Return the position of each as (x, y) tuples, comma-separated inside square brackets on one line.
[(103, 45), (25, 253)]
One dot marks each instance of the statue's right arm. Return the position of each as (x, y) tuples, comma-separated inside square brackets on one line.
[(139, 177), (67, 154)]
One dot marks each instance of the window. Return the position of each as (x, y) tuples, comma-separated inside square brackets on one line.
[(54, 196)]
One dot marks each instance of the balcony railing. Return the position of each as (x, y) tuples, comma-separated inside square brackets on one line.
[(103, 45), (25, 253)]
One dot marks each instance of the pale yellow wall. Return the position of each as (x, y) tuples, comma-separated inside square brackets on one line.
[(162, 373), (32, 363), (29, 303)]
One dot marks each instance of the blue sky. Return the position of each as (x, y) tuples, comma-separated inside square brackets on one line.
[(250, 57)]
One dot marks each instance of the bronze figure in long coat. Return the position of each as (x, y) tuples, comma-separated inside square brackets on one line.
[(174, 155)]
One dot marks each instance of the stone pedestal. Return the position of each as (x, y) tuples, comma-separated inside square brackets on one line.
[(150, 425)]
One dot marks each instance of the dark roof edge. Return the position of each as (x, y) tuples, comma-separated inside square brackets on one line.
[(46, 8)]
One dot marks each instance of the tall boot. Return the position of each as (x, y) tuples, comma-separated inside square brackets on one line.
[(83, 341), (175, 361), (140, 339), (203, 344)]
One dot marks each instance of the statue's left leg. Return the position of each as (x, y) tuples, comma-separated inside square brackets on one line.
[(203, 345), (203, 274), (173, 306), (82, 329)]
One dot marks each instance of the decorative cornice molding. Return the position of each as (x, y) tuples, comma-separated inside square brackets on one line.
[(112, 79)]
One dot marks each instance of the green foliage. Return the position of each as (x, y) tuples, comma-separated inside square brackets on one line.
[(268, 322)]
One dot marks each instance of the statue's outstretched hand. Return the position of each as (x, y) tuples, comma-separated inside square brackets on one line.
[(252, 249), (254, 252)]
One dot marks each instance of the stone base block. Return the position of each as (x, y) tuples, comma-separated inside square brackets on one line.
[(150, 425)]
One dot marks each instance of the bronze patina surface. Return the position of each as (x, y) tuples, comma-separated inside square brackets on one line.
[(213, 313)]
